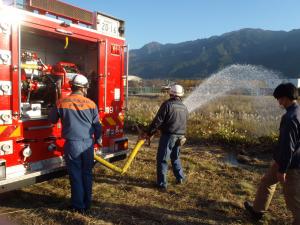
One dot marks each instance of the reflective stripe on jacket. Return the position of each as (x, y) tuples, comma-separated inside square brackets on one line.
[(79, 118)]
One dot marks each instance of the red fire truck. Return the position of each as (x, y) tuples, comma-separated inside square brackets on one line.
[(43, 45)]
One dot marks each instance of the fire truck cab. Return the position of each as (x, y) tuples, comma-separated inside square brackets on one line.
[(43, 45)]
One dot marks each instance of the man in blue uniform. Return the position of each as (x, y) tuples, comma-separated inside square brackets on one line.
[(286, 166), (171, 120), (81, 128)]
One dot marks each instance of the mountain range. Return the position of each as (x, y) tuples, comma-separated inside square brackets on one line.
[(198, 59)]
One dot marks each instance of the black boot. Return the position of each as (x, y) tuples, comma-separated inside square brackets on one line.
[(254, 215)]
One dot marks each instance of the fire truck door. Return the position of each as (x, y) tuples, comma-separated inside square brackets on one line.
[(9, 73), (102, 75), (10, 130), (115, 78), (110, 74)]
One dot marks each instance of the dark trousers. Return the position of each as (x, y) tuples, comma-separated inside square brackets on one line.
[(168, 149), (79, 157), (291, 187)]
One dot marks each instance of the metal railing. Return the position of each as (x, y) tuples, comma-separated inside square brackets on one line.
[(144, 90)]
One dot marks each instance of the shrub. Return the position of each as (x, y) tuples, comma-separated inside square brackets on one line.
[(230, 120)]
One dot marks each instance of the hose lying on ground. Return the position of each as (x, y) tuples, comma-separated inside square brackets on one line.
[(128, 162)]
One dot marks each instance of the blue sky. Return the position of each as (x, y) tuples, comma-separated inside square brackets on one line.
[(174, 21)]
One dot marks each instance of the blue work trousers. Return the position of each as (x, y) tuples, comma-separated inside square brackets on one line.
[(168, 149), (79, 157)]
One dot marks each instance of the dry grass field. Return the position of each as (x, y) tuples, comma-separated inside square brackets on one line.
[(233, 119), (213, 194)]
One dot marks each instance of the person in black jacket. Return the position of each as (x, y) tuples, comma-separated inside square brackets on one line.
[(171, 120), (286, 166)]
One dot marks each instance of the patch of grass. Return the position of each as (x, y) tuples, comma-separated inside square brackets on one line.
[(213, 194), (235, 120), (246, 188)]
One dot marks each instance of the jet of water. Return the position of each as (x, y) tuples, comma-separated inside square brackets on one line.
[(231, 78)]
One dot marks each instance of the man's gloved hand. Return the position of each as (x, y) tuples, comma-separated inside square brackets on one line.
[(146, 137), (148, 140), (281, 177), (142, 136), (99, 143)]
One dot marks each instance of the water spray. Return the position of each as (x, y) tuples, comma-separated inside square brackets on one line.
[(229, 79)]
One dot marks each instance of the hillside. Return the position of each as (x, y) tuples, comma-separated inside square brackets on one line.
[(277, 50)]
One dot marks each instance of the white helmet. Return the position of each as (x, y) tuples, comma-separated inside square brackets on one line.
[(79, 81), (176, 90)]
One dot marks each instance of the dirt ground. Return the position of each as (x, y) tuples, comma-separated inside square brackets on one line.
[(213, 194)]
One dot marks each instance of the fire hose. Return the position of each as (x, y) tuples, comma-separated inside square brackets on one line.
[(128, 162)]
